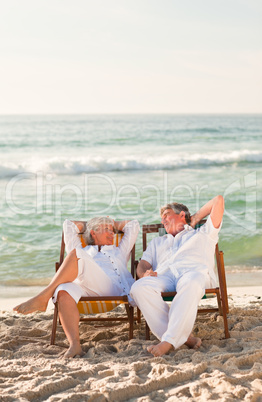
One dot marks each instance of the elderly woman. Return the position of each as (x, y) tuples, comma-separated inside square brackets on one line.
[(99, 269)]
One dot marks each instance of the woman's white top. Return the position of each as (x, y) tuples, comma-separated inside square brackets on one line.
[(111, 259)]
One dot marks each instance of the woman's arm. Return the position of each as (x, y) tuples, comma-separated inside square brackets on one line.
[(81, 226), (119, 225), (71, 231), (131, 230)]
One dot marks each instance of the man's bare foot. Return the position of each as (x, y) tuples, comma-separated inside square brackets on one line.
[(37, 303), (160, 349), (74, 350), (193, 342)]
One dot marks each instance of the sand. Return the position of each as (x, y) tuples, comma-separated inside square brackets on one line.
[(115, 369)]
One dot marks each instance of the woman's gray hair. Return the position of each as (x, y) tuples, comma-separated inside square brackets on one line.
[(94, 224), (177, 208)]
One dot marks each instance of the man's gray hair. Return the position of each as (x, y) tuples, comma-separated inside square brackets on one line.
[(177, 208), (94, 224)]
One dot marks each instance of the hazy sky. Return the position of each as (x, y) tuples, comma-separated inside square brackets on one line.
[(130, 56)]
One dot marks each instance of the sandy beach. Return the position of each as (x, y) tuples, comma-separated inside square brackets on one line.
[(115, 369)]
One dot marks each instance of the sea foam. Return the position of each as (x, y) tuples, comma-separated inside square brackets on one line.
[(95, 163)]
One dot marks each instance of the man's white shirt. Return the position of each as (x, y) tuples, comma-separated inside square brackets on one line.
[(191, 249)]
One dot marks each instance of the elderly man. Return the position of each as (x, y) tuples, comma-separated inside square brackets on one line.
[(181, 261)]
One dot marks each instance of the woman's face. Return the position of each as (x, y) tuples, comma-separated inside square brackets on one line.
[(104, 235)]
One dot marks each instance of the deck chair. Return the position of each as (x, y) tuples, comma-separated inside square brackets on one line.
[(219, 292), (102, 304)]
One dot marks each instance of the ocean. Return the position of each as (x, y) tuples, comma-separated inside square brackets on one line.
[(125, 166)]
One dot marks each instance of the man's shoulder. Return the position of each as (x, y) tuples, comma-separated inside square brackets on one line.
[(158, 241)]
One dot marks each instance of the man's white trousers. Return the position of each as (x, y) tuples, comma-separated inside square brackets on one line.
[(174, 324)]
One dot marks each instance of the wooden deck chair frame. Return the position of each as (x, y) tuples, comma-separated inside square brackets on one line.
[(116, 300), (220, 291)]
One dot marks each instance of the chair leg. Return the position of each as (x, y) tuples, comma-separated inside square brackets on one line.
[(223, 298), (53, 334), (138, 315), (221, 256), (130, 314), (147, 332), (131, 323), (227, 335), (223, 306), (224, 310), (223, 288), (219, 303)]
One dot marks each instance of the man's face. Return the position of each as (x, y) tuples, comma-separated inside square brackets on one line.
[(173, 223), (104, 235)]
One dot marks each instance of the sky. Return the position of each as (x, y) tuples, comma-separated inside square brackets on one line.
[(130, 56)]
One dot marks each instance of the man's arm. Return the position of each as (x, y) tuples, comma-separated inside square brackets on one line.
[(145, 269), (214, 208)]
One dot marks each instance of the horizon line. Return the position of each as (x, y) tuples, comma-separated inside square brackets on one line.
[(126, 113)]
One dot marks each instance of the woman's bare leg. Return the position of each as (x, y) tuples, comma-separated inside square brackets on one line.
[(67, 273), (69, 317)]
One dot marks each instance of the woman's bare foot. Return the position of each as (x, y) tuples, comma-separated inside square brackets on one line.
[(160, 349), (74, 350), (37, 303), (193, 342)]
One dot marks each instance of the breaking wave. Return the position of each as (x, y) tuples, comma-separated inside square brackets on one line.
[(96, 163)]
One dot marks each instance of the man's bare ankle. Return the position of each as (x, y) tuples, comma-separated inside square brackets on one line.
[(193, 342), (160, 349)]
